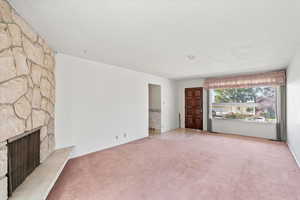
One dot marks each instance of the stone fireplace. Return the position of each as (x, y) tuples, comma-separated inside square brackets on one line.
[(27, 87)]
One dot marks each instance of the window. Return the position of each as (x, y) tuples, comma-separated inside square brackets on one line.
[(249, 104)]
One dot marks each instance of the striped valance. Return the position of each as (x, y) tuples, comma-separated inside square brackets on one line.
[(244, 81)]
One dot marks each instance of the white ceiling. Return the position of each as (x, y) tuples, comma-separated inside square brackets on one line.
[(158, 36)]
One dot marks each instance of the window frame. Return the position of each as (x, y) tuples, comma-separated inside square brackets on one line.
[(277, 107)]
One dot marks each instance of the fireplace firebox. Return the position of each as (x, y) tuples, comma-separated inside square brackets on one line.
[(23, 157)]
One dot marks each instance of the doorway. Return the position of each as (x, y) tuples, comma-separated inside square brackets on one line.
[(194, 108), (154, 109)]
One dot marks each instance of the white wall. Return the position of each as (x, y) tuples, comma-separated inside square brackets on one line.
[(293, 106), (191, 83), (154, 97), (97, 102), (239, 127)]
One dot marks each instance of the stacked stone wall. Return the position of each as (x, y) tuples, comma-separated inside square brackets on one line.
[(27, 86)]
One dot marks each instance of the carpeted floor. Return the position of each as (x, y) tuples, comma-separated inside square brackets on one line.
[(183, 165)]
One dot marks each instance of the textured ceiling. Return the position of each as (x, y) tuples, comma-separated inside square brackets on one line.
[(171, 38)]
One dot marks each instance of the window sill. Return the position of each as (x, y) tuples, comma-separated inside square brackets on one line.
[(245, 121)]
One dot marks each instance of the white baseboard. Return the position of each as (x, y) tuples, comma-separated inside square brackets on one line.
[(294, 155), (76, 155)]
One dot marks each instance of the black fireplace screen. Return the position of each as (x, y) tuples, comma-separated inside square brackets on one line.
[(23, 158)]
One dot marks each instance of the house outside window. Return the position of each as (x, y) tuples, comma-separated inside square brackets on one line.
[(257, 104)]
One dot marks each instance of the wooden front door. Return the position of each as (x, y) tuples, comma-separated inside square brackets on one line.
[(194, 108)]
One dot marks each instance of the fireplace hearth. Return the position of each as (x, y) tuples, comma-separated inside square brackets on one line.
[(23, 157)]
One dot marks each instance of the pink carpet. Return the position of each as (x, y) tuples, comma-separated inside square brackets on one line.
[(183, 166)]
